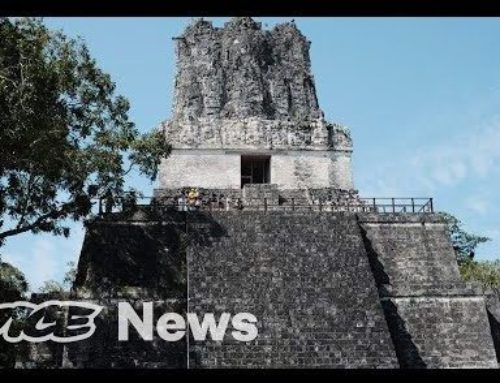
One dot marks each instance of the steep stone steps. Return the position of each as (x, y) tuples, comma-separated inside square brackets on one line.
[(307, 280)]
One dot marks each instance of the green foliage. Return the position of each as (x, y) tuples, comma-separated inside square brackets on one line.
[(70, 275), (464, 243), (52, 287), (60, 288), (485, 273), (13, 283), (65, 135), (13, 287)]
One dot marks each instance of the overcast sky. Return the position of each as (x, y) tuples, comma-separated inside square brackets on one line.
[(420, 95)]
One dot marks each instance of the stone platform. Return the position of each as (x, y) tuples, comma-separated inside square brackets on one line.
[(329, 289)]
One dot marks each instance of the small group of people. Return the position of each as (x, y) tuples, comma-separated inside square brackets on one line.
[(189, 200)]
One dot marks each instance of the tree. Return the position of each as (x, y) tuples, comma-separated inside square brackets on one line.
[(55, 287), (486, 273), (65, 136), (13, 287), (464, 243)]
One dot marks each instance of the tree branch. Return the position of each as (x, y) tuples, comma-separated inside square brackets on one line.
[(7, 79), (39, 221), (131, 166), (31, 181)]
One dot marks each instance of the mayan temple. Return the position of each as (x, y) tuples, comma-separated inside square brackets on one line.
[(277, 229), (246, 112)]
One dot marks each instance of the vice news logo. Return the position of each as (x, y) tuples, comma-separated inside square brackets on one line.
[(39, 324)]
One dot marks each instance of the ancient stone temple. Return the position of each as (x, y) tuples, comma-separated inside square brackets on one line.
[(246, 112), (334, 280)]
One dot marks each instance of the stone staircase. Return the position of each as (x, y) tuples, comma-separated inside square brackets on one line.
[(306, 278)]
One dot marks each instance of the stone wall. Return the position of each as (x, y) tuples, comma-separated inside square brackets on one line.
[(131, 260), (296, 170), (143, 255), (441, 332), (413, 250), (311, 289), (307, 279), (289, 170), (328, 289), (257, 134), (436, 320), (213, 170)]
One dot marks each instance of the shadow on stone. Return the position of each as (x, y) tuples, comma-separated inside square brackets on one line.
[(407, 352), (134, 260), (146, 255), (495, 332), (381, 277)]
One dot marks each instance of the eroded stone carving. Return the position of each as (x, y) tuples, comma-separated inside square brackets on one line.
[(244, 87)]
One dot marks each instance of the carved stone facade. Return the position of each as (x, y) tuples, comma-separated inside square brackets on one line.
[(244, 91)]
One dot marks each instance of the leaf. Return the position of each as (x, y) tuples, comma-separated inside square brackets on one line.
[(65, 134)]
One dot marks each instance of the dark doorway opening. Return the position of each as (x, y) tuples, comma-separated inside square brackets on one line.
[(255, 170)]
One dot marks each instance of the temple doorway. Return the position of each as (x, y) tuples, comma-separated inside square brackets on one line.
[(255, 170)]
